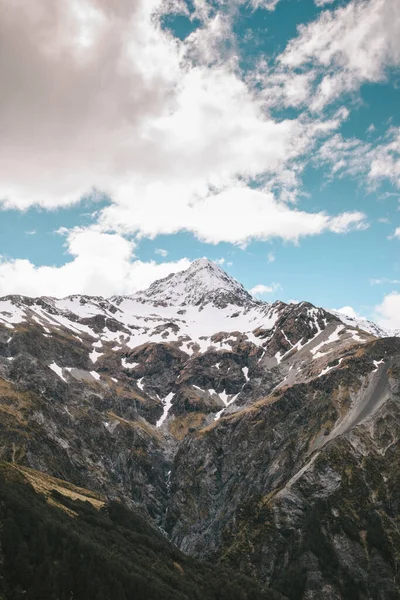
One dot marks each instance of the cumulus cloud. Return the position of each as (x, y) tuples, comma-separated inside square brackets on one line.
[(79, 79), (94, 93), (101, 264), (261, 289), (98, 97), (237, 216), (388, 312)]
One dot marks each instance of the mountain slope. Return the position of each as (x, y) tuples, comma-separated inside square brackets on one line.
[(200, 312), (57, 541), (299, 489), (247, 431)]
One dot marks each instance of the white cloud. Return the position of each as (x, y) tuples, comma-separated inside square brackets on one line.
[(349, 312), (261, 289), (271, 257), (376, 162), (266, 4), (102, 264), (97, 97), (161, 252), (396, 234), (383, 281), (173, 143), (237, 215), (81, 82), (355, 44), (323, 2), (388, 312)]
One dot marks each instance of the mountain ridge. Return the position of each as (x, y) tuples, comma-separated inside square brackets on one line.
[(203, 283), (259, 436)]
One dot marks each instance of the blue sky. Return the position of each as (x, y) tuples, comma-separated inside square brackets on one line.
[(263, 134)]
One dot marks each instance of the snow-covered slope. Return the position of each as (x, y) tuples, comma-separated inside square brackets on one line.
[(197, 309), (202, 283), (364, 324)]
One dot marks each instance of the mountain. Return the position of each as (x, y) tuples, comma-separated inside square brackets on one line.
[(202, 283), (260, 437)]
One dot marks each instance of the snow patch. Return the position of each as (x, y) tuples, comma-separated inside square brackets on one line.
[(167, 404), (94, 355), (327, 369), (321, 354), (110, 426), (334, 337), (225, 399), (127, 365), (58, 371), (377, 363), (356, 337)]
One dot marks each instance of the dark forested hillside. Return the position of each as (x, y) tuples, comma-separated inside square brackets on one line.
[(63, 545)]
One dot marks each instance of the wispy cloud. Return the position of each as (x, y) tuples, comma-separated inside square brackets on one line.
[(345, 48), (262, 290), (395, 235), (271, 257), (377, 163), (383, 281)]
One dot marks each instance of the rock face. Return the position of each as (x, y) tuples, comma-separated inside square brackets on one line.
[(299, 490), (261, 436)]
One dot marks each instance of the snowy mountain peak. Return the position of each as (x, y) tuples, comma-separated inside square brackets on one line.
[(202, 283)]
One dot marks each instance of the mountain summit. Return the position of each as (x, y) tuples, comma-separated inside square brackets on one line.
[(202, 283)]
